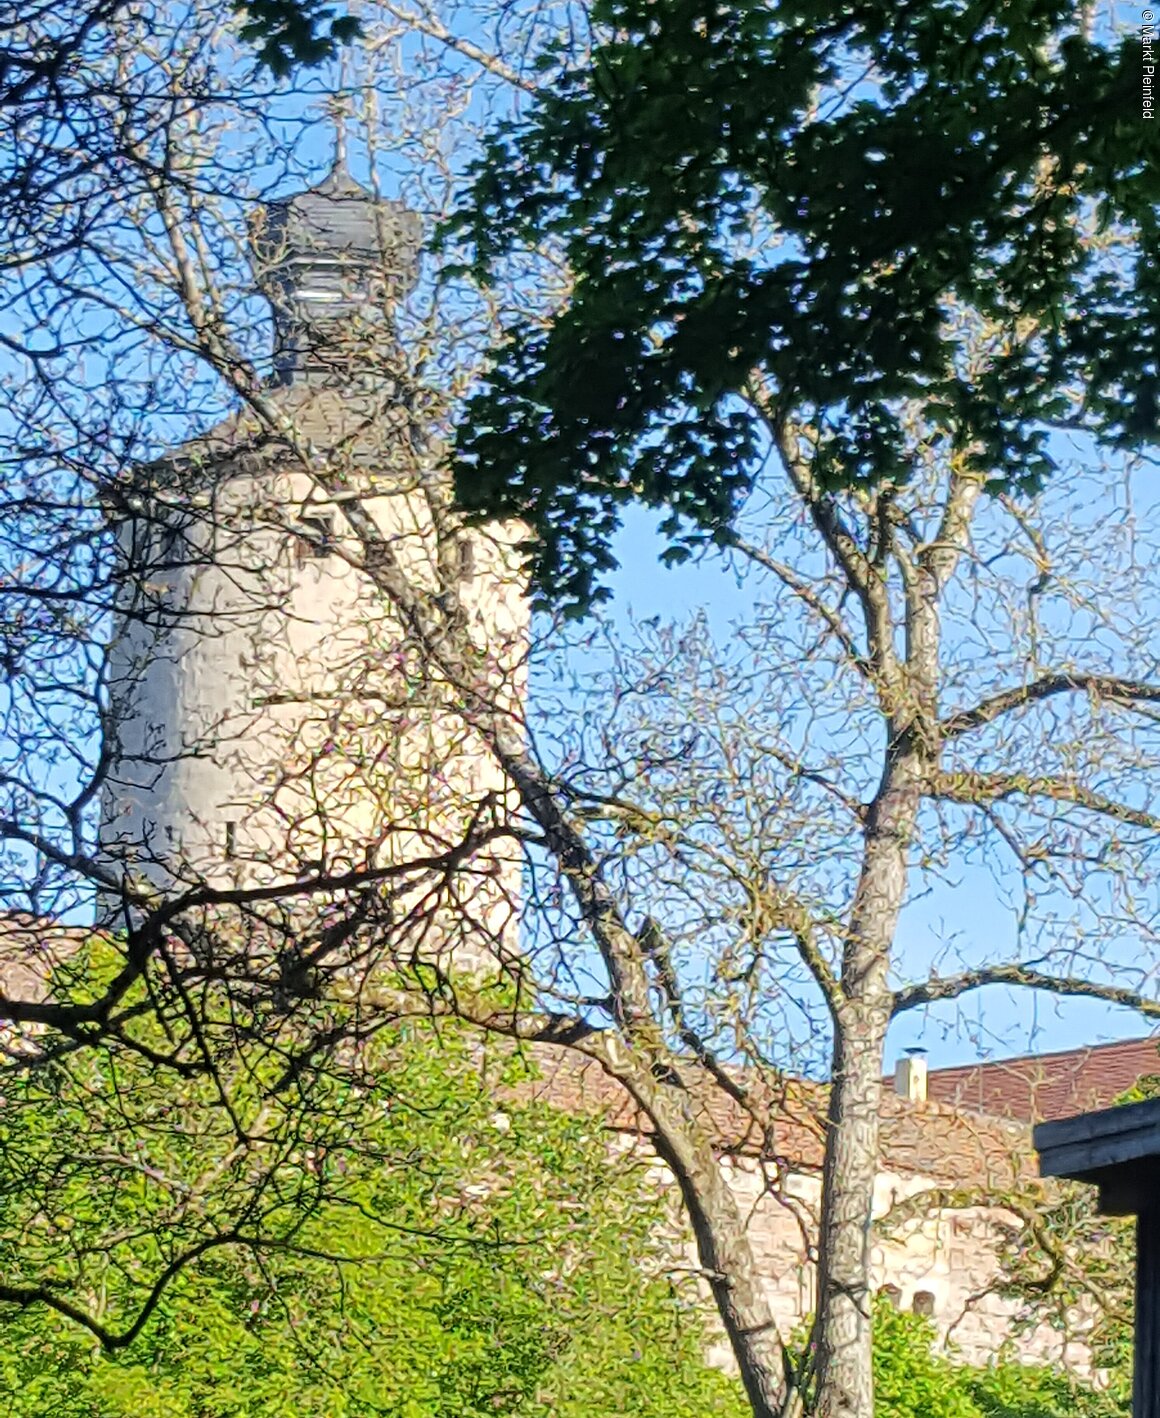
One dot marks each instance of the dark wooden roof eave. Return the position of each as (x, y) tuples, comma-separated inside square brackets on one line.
[(1116, 1149)]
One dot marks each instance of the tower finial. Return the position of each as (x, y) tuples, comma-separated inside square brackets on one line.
[(338, 110), (334, 260)]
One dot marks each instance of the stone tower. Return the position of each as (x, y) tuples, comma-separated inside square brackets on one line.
[(270, 721)]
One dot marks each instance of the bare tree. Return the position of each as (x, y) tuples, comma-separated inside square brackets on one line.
[(236, 948)]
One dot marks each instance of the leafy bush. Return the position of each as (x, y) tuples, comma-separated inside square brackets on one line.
[(429, 1254), (496, 1262), (911, 1379), (914, 1380)]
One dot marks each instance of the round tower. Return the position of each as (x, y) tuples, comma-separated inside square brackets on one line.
[(270, 720)]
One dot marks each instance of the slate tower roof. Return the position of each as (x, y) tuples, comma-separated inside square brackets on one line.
[(334, 262)]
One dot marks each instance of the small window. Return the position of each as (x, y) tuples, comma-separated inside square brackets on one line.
[(317, 539), (466, 559), (231, 840), (923, 1303), (892, 1295)]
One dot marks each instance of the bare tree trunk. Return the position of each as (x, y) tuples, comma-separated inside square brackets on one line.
[(845, 1387), (722, 1246), (726, 1257), (845, 1383), (845, 1379)]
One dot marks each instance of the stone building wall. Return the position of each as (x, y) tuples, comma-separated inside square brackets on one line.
[(935, 1259), (943, 1265)]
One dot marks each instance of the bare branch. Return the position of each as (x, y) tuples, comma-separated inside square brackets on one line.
[(1022, 977), (979, 789), (1106, 688)]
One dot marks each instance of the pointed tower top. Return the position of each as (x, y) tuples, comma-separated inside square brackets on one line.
[(333, 261), (339, 109)]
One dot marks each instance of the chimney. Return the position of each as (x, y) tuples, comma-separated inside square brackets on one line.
[(910, 1076)]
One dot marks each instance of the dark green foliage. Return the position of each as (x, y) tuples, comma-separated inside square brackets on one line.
[(290, 32), (814, 216), (1018, 1391)]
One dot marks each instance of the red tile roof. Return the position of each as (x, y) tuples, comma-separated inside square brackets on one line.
[(30, 950), (1043, 1087), (924, 1139)]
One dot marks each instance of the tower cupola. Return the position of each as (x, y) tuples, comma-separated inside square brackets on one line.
[(334, 262)]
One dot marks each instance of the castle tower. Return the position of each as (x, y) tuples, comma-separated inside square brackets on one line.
[(270, 721)]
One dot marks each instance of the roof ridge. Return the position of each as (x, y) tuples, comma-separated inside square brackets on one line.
[(1079, 1051)]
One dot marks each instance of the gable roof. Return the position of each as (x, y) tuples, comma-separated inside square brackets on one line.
[(1044, 1087), (930, 1140)]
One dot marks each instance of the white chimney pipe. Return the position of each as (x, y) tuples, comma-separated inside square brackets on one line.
[(910, 1076)]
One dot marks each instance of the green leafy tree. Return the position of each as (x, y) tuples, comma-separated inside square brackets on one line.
[(291, 32), (795, 220), (457, 1259)]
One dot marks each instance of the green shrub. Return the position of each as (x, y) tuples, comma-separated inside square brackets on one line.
[(496, 1263), (914, 1380)]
